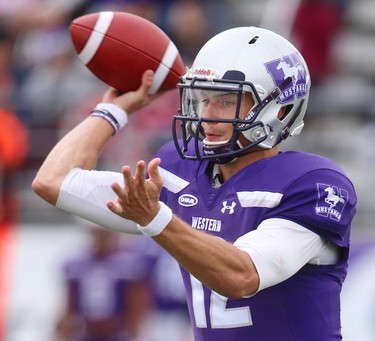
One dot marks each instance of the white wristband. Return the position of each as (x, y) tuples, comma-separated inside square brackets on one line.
[(159, 223), (119, 114)]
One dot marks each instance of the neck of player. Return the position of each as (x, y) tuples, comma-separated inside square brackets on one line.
[(230, 168)]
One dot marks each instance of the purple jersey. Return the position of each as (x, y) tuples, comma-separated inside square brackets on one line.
[(98, 284), (165, 276), (304, 188)]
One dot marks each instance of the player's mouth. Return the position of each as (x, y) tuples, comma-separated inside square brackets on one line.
[(213, 139)]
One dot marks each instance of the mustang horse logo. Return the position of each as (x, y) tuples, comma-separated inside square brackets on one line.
[(289, 71), (332, 199), (283, 68)]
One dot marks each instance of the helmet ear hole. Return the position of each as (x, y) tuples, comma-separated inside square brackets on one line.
[(191, 128), (284, 111)]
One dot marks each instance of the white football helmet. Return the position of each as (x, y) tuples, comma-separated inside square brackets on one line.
[(239, 61)]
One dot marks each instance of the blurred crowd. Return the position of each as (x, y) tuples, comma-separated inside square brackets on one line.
[(45, 90), (46, 87)]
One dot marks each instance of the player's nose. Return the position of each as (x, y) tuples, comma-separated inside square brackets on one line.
[(208, 111)]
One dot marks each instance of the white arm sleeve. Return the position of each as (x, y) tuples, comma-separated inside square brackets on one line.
[(280, 247), (85, 193)]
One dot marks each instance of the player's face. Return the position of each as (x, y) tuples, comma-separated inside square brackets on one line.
[(221, 106)]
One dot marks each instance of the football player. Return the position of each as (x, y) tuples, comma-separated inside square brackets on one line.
[(107, 291), (262, 236)]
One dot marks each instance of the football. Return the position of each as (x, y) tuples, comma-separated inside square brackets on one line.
[(117, 47)]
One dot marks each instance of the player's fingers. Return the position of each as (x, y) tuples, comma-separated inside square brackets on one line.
[(122, 195), (110, 94), (115, 207), (139, 176), (145, 88), (133, 101), (128, 180), (147, 80), (153, 172)]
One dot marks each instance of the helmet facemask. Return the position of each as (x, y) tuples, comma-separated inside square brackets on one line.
[(247, 132)]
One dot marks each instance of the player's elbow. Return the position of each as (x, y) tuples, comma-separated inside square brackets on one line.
[(245, 281), (249, 287), (241, 286), (46, 188)]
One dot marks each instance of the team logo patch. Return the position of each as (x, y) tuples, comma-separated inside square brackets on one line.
[(331, 201), (187, 200), (289, 66)]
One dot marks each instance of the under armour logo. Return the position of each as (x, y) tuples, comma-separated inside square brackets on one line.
[(227, 207)]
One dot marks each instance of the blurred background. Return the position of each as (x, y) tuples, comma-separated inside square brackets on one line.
[(50, 260)]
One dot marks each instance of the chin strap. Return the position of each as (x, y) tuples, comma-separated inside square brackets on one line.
[(276, 92)]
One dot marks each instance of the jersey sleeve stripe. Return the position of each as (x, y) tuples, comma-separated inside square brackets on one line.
[(259, 199), (172, 182)]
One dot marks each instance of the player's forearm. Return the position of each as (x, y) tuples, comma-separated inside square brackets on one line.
[(79, 148), (215, 262)]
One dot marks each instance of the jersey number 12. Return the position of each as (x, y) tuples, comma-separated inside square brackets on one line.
[(220, 315)]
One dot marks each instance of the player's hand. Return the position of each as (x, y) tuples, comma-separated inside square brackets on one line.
[(138, 200), (133, 101)]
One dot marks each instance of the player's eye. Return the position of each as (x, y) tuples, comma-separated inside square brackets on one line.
[(205, 101), (227, 103)]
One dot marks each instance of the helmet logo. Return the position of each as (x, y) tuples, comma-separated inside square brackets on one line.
[(289, 66), (202, 72)]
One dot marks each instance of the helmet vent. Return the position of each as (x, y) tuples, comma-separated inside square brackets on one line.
[(252, 41)]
